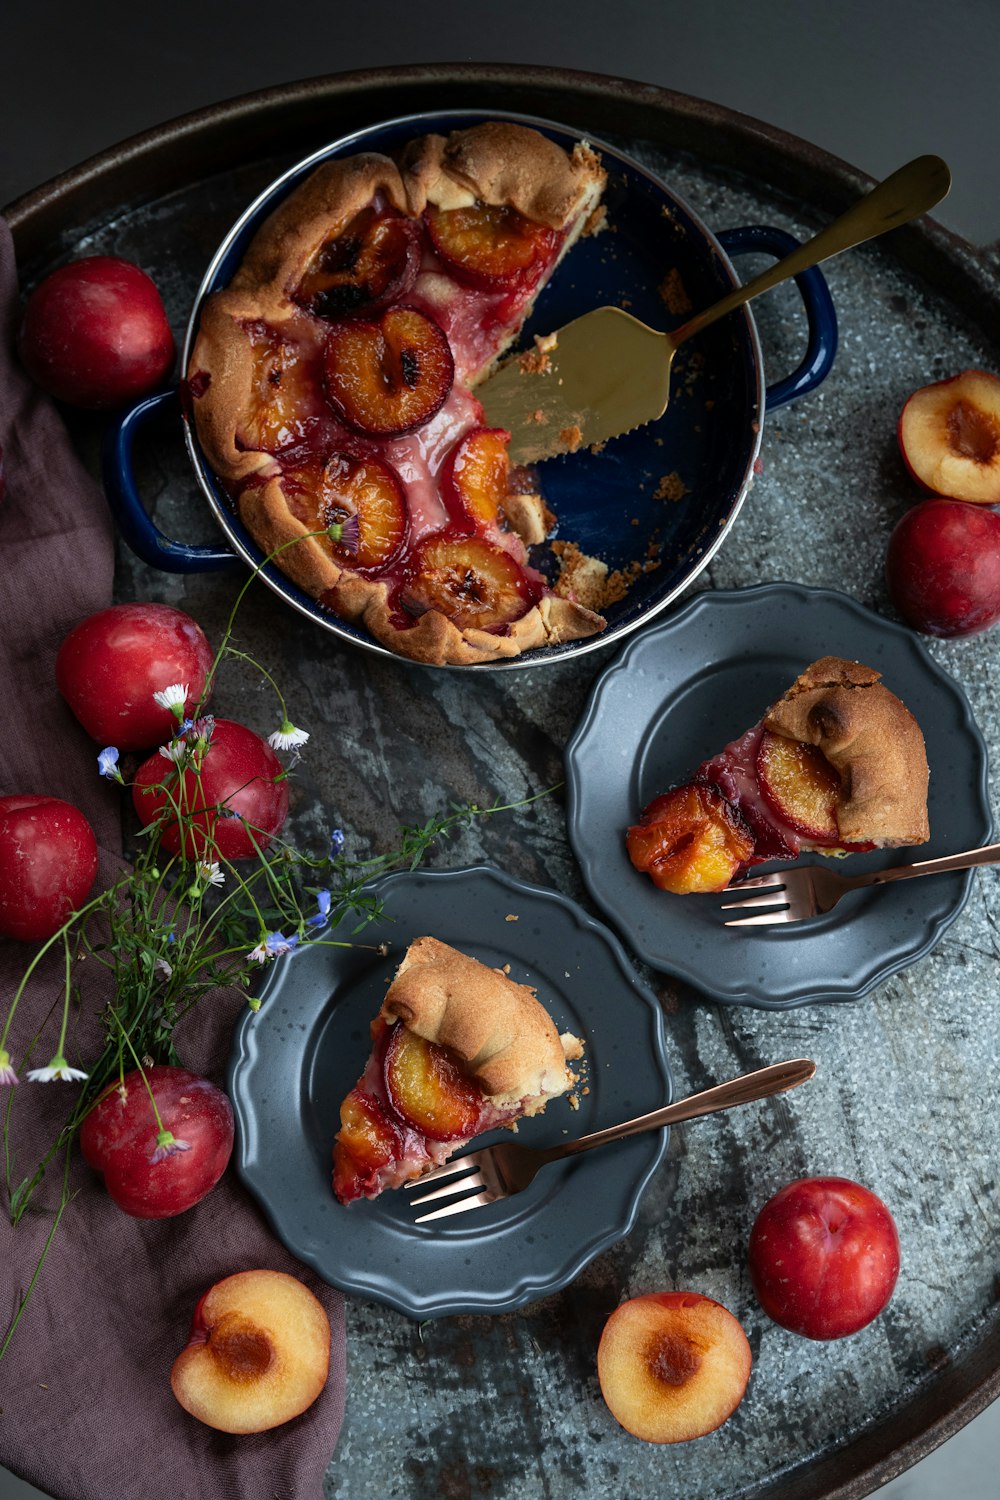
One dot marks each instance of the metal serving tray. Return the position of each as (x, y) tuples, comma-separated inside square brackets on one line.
[(904, 1098)]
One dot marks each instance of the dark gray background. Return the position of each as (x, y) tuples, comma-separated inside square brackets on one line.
[(874, 83)]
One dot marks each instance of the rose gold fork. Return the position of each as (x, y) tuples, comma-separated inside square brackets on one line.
[(810, 890), (496, 1172)]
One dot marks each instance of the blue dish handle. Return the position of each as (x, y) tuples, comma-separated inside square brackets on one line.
[(820, 315), (141, 533)]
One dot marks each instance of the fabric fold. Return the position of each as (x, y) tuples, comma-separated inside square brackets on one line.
[(87, 1409)]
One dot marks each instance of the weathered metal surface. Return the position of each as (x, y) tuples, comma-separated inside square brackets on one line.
[(509, 1407)]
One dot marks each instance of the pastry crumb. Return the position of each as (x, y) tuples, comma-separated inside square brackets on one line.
[(571, 438), (572, 1046), (581, 578), (673, 294), (537, 361), (512, 917), (597, 221), (670, 487)]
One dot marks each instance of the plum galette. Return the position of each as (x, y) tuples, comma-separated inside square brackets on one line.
[(836, 766), (457, 1048), (331, 386)]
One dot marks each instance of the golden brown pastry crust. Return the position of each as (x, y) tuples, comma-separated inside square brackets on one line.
[(872, 741), (505, 166), (498, 1028), (499, 163)]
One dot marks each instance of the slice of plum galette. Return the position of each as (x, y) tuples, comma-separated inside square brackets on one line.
[(331, 385), (836, 766), (457, 1048)]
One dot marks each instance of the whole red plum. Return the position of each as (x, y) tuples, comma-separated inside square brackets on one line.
[(942, 567), (95, 333), (120, 1139), (111, 664), (824, 1257), (48, 860), (233, 805)]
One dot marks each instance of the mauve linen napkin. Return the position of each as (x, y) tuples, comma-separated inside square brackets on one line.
[(86, 1409)]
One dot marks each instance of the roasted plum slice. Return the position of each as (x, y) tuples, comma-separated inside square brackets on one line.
[(346, 486), (689, 839), (800, 785), (488, 247), (368, 1139), (387, 375), (428, 1089), (373, 260), (283, 391), (475, 584), (474, 477)]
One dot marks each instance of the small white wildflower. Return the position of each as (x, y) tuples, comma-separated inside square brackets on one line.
[(260, 954), (209, 873), (287, 737), (58, 1070), (7, 1074), (172, 697), (176, 751)]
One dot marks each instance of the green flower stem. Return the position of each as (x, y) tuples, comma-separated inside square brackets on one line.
[(64, 1201), (62, 934), (142, 1071), (227, 633), (242, 656)]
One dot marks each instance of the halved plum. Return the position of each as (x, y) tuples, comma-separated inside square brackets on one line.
[(428, 1089), (949, 436), (475, 584), (474, 477), (800, 784), (689, 839), (373, 260), (387, 375), (488, 247)]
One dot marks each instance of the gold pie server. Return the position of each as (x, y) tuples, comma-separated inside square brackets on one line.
[(606, 373)]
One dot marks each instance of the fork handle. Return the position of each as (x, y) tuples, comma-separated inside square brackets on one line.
[(743, 1090), (967, 860)]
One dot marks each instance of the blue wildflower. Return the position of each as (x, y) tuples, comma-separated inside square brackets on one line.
[(323, 914), (107, 764)]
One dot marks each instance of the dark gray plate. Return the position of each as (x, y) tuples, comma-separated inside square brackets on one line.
[(685, 688), (294, 1061)]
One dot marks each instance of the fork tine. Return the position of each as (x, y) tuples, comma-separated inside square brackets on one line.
[(773, 897), (757, 883), (477, 1200), (449, 1189), (766, 918), (448, 1169)]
